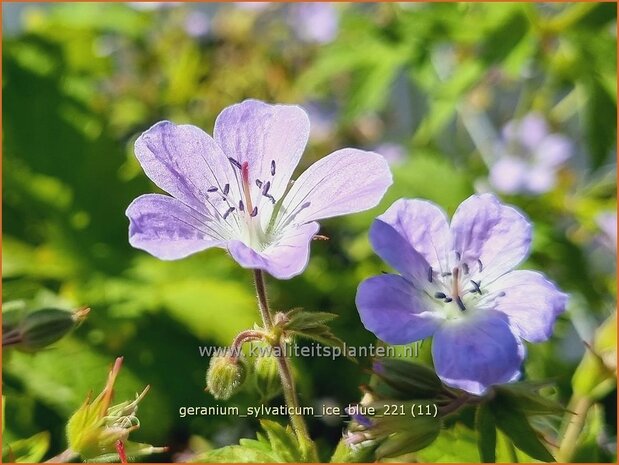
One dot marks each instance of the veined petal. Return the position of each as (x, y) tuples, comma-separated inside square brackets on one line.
[(476, 352), (412, 236), (531, 302), (185, 162), (167, 228), (271, 139), (396, 312), (495, 234), (347, 181), (284, 259)]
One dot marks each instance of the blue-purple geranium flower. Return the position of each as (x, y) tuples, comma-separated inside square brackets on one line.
[(458, 285), (234, 190), (531, 156)]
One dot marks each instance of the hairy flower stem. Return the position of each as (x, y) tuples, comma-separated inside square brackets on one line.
[(64, 457), (285, 374)]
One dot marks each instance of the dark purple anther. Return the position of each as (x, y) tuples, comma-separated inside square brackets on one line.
[(430, 273), (465, 268), (266, 187), (241, 206), (230, 210), (254, 212), (212, 189), (460, 303), (448, 299), (272, 167), (234, 163), (440, 295), (226, 189), (258, 183), (481, 265), (476, 287)]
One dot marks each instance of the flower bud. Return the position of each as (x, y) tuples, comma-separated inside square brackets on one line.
[(266, 377), (225, 376), (42, 328)]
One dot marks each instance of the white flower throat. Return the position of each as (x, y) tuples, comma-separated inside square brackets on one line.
[(460, 290)]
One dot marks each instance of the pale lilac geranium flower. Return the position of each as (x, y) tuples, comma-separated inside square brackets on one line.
[(233, 190), (530, 157), (394, 153), (458, 285), (314, 22), (607, 222)]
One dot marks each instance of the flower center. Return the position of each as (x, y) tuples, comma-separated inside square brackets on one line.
[(457, 288)]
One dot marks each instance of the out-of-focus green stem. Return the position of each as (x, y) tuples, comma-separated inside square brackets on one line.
[(285, 374), (573, 427)]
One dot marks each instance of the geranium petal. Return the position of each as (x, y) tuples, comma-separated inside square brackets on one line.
[(413, 235), (495, 234), (477, 352), (270, 138), (396, 312), (167, 228), (531, 302), (509, 174), (185, 162), (284, 259), (347, 181)]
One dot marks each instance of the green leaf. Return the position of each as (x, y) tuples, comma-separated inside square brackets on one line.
[(515, 425), (283, 442), (30, 450), (526, 397), (486, 429), (311, 325), (453, 445), (236, 454)]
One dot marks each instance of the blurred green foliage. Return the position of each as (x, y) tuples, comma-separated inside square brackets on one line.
[(82, 80)]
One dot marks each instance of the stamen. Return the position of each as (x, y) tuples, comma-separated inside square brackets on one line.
[(259, 183), (272, 167), (430, 272), (230, 210), (226, 189), (254, 212), (440, 295), (465, 268), (241, 206), (448, 299), (212, 189), (458, 256), (445, 274), (476, 286), (460, 303), (271, 198), (235, 163), (266, 187), (481, 265)]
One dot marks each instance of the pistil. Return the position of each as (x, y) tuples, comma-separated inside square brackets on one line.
[(245, 181)]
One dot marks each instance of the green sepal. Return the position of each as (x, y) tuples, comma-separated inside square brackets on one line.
[(515, 425), (409, 380), (486, 433)]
